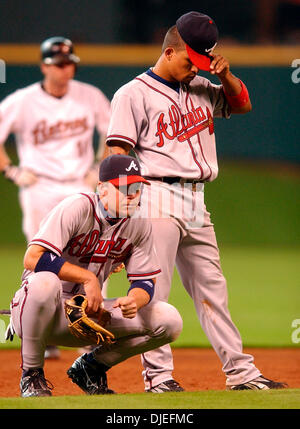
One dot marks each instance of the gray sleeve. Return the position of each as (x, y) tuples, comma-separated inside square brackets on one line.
[(62, 223), (221, 108), (126, 119)]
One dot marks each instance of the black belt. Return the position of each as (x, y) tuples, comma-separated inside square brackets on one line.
[(171, 180)]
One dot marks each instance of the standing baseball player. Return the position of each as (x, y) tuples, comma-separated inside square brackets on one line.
[(81, 241), (167, 116), (54, 122)]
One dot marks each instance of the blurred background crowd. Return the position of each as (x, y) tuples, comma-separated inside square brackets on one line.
[(136, 21)]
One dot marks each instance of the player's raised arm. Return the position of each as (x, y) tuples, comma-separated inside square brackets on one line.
[(235, 90)]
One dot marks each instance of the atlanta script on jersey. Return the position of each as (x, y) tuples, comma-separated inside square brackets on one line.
[(172, 132)]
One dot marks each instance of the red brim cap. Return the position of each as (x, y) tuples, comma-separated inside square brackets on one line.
[(200, 61), (128, 180)]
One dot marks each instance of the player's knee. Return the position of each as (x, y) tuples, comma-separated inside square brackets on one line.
[(170, 321), (44, 287)]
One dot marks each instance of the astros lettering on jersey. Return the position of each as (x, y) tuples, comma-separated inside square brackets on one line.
[(54, 135)]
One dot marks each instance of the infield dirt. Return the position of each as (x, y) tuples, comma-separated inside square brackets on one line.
[(196, 369)]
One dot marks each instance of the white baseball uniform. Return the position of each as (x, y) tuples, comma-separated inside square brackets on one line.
[(78, 230), (171, 129), (54, 140)]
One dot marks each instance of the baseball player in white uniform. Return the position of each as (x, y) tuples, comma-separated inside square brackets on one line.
[(78, 244), (166, 115), (53, 122)]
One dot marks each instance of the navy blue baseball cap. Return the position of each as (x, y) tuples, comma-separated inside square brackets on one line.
[(200, 34), (121, 170)]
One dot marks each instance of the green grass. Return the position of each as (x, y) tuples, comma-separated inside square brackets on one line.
[(282, 399), (255, 203), (263, 286)]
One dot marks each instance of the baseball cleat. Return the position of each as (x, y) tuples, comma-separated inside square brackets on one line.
[(52, 352), (89, 375), (33, 383), (259, 383), (166, 386)]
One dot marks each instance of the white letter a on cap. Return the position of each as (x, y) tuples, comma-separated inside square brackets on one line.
[(131, 166)]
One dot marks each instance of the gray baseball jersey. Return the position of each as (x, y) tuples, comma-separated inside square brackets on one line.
[(171, 132), (78, 231)]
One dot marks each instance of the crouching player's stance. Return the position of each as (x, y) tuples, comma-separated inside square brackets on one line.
[(78, 245)]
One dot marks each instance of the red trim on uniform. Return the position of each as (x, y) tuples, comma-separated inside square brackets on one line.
[(47, 243), (239, 100), (173, 101), (193, 131), (144, 275), (189, 141), (208, 114), (112, 240), (94, 210), (157, 90), (195, 159), (118, 136)]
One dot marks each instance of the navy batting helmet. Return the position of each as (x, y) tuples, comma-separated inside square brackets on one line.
[(58, 50)]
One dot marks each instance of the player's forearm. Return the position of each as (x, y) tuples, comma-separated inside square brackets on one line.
[(4, 159), (233, 88), (231, 83), (67, 272), (119, 148), (140, 296)]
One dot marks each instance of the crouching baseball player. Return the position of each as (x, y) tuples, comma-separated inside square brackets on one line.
[(78, 244)]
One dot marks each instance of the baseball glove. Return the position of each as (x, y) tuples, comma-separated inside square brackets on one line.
[(84, 328)]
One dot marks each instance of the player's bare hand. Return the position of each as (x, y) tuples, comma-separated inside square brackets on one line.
[(93, 295), (127, 305), (20, 176), (219, 65)]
